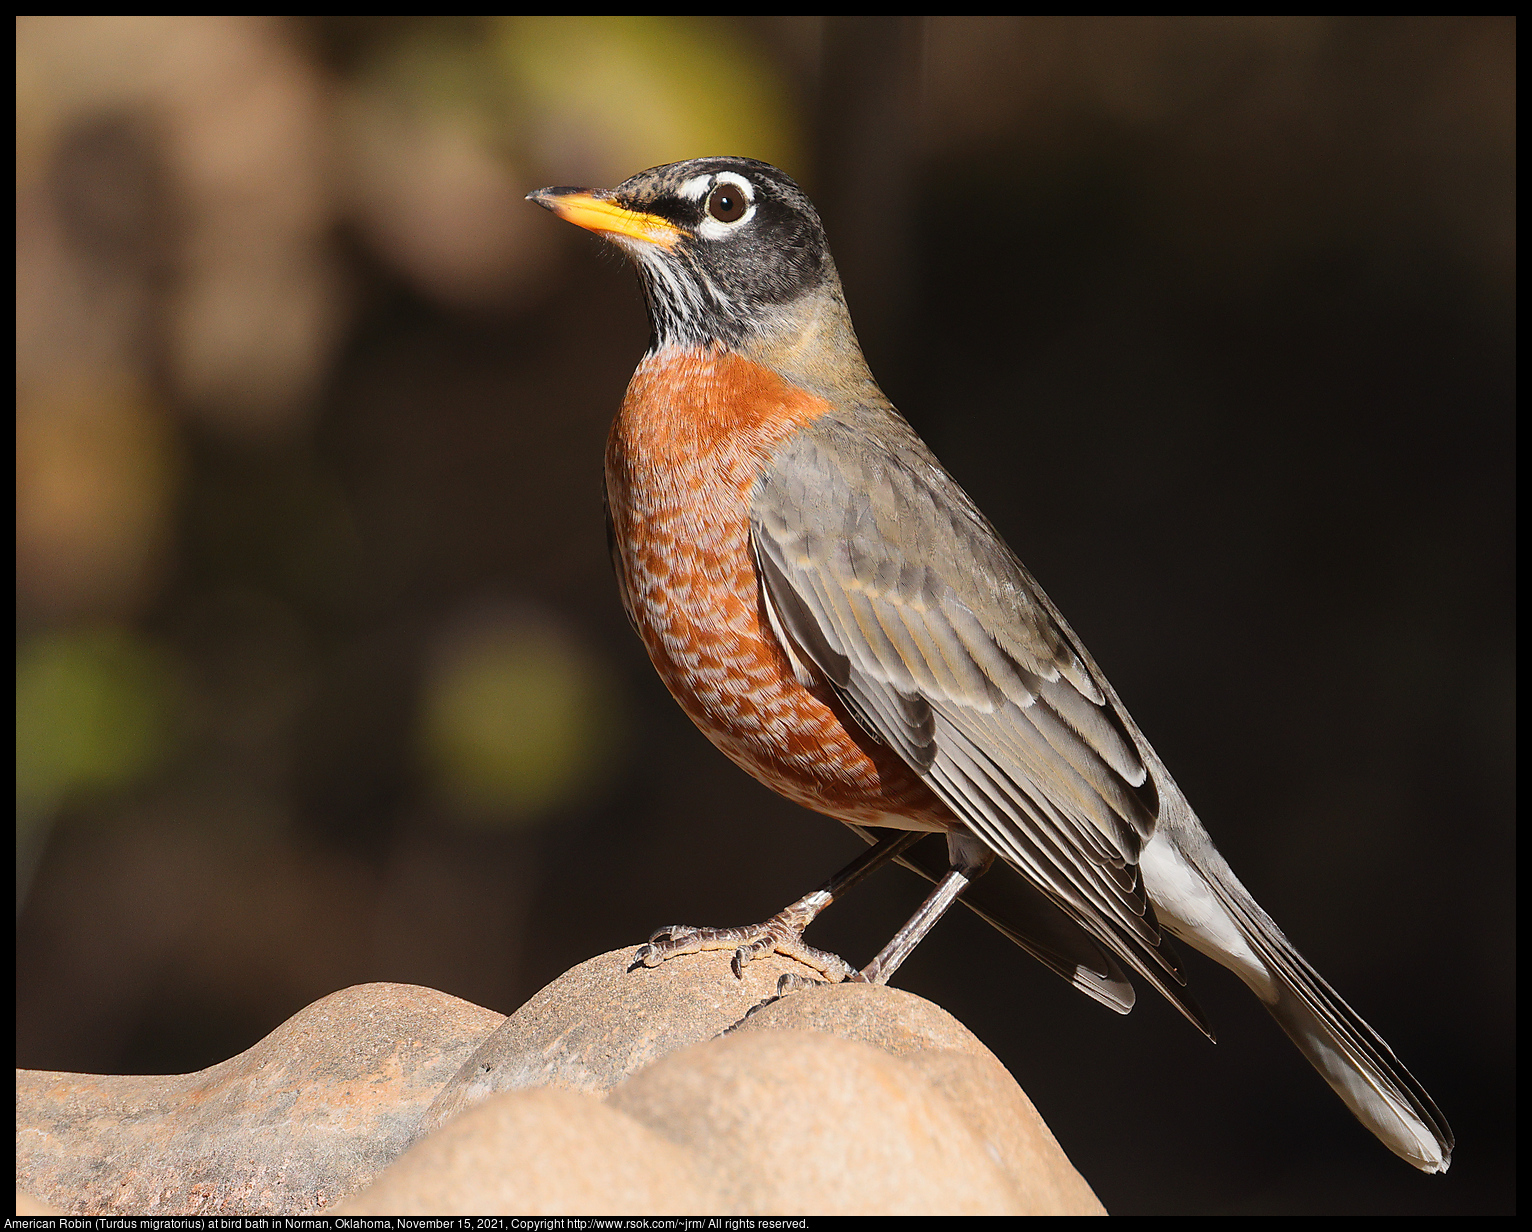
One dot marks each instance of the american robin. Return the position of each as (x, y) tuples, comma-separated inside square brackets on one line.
[(837, 616)]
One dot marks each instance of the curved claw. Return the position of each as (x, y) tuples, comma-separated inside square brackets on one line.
[(791, 981), (770, 943), (670, 941)]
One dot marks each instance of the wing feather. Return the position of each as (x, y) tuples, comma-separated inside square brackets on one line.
[(885, 578)]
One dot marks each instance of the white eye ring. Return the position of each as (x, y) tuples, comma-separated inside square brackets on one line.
[(710, 228)]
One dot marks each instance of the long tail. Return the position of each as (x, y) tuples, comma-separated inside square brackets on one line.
[(1353, 1058), (1362, 1069)]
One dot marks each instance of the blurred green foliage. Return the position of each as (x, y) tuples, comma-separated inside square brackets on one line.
[(95, 714), (518, 720)]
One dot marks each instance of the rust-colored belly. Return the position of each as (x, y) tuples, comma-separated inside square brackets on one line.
[(694, 431)]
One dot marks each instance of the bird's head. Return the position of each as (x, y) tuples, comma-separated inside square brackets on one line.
[(730, 250)]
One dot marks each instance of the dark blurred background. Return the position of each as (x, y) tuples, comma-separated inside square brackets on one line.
[(321, 673)]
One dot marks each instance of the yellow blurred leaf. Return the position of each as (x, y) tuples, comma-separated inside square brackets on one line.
[(624, 93)]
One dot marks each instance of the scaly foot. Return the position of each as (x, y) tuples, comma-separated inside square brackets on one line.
[(782, 934)]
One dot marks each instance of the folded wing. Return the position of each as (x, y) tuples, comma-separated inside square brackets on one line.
[(877, 568)]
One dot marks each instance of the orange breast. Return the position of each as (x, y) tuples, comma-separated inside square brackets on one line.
[(695, 430)]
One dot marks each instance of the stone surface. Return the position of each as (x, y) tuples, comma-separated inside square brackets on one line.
[(950, 1057), (311, 1113), (605, 1019), (26, 1204), (796, 1123), (547, 1151), (678, 1089)]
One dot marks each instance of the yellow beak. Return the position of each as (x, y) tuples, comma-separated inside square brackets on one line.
[(605, 217)]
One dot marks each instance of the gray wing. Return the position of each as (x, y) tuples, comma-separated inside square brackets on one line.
[(877, 568)]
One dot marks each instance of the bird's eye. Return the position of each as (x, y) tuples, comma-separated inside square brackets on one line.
[(727, 203)]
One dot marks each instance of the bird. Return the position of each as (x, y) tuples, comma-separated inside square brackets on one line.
[(836, 615)]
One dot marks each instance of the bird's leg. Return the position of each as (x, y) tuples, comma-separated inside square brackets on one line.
[(969, 859), (783, 933), (919, 924)]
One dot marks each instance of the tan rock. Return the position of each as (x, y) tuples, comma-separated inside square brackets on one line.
[(605, 1019), (26, 1204), (543, 1151), (958, 1065), (311, 1113), (832, 1100), (798, 1123)]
